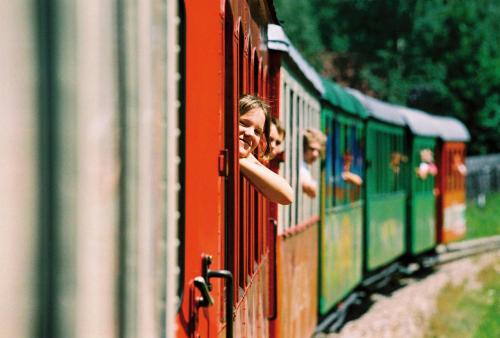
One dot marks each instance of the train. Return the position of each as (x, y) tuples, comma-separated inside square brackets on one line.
[(125, 212)]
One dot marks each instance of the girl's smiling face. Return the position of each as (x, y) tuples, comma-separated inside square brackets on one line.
[(251, 130)]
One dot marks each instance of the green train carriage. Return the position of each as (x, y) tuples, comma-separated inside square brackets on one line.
[(386, 188), (341, 231), (422, 170)]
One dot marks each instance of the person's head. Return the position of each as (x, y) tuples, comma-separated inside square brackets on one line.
[(314, 141), (348, 160), (254, 126), (426, 155), (276, 138)]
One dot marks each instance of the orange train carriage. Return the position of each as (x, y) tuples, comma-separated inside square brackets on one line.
[(450, 182)]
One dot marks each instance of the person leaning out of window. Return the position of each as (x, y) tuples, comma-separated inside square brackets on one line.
[(313, 142), (254, 129)]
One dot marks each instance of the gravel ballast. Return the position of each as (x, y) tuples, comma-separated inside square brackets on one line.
[(407, 311)]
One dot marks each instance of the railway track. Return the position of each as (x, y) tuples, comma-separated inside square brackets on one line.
[(442, 255), (453, 251)]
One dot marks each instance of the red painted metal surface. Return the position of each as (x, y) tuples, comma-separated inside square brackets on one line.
[(204, 140), (451, 193)]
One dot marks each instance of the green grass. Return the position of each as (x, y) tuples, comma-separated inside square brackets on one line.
[(484, 221), (465, 313)]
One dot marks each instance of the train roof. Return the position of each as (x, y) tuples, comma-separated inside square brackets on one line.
[(419, 122), (277, 40), (451, 129), (338, 97), (379, 110)]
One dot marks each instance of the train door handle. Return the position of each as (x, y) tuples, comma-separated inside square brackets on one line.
[(228, 276), (206, 299)]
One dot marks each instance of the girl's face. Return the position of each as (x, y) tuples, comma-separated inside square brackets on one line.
[(251, 130), (275, 140)]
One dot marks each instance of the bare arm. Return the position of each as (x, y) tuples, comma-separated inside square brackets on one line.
[(273, 186), (309, 189), (309, 184), (352, 178)]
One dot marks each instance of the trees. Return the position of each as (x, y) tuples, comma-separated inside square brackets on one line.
[(298, 19), (436, 55)]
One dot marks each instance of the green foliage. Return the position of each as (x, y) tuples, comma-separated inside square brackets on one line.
[(441, 56), (298, 19), (483, 222), (464, 312)]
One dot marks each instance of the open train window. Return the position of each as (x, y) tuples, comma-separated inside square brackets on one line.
[(455, 180), (388, 142), (245, 234), (348, 158), (424, 157)]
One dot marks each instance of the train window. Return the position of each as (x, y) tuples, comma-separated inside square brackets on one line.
[(454, 162), (422, 155), (454, 180), (348, 158), (388, 173), (249, 230), (245, 206)]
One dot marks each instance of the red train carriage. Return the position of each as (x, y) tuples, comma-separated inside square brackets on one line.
[(226, 251), (295, 309), (451, 179)]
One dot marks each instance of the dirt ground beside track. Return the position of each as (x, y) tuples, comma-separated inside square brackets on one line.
[(407, 311)]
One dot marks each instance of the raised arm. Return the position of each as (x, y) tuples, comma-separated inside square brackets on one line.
[(272, 185)]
